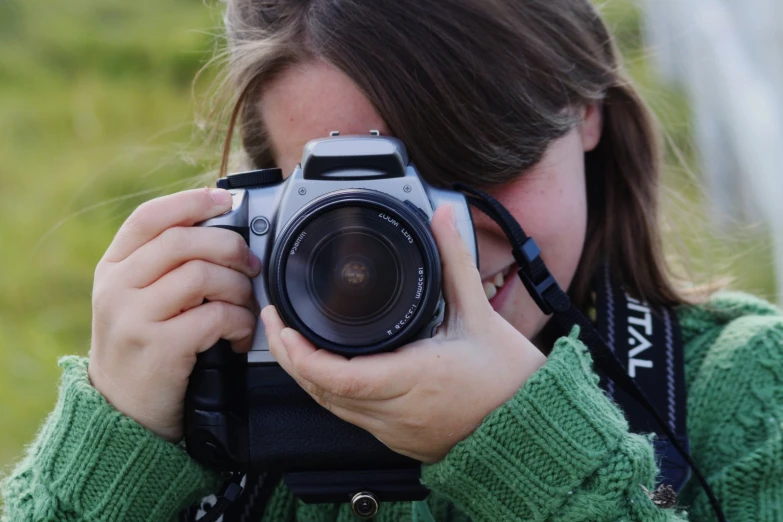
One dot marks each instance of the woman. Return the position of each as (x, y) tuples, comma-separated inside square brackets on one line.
[(522, 98)]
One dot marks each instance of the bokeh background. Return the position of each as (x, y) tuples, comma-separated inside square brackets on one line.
[(99, 112)]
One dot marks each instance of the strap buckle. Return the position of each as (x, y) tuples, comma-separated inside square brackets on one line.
[(528, 256)]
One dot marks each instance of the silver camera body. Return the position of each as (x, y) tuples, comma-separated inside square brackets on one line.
[(338, 171)]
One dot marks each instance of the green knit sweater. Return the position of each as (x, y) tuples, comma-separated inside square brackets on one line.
[(559, 450)]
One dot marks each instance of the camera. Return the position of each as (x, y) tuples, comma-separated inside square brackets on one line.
[(350, 262)]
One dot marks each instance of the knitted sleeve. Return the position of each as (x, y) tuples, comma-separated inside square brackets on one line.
[(90, 462), (559, 450)]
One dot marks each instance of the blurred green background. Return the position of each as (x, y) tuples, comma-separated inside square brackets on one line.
[(97, 114)]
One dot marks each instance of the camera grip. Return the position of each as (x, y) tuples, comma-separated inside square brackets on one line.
[(291, 432), (215, 409), (215, 406), (215, 403)]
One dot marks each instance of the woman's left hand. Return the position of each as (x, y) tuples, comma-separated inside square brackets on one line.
[(423, 398)]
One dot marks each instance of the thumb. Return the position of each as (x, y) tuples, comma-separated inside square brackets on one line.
[(462, 288)]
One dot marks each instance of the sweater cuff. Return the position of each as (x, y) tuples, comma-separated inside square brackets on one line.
[(102, 465), (533, 452)]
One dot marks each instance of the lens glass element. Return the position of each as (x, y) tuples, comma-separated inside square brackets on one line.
[(355, 275)]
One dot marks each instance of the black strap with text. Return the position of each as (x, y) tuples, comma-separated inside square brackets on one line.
[(646, 339)]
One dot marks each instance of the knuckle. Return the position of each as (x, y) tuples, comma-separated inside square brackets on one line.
[(140, 215), (304, 367), (215, 317), (301, 368), (246, 291), (141, 210), (222, 312), (100, 296), (239, 251), (197, 274), (237, 322), (100, 270), (239, 245), (100, 274), (128, 335), (175, 240), (248, 328), (415, 422)]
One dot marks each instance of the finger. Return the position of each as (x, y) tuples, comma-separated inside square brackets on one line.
[(350, 410), (377, 377), (201, 327), (153, 217), (177, 245), (273, 325), (462, 286), (189, 285)]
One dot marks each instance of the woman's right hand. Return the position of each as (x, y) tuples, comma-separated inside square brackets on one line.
[(149, 316)]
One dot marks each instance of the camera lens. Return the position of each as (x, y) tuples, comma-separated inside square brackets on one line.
[(354, 274)]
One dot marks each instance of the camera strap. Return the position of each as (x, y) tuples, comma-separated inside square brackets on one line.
[(648, 338), (552, 300), (242, 498)]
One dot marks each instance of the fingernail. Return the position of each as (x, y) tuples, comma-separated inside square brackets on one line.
[(220, 196)]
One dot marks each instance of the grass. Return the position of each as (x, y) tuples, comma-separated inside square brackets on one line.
[(95, 105), (96, 115)]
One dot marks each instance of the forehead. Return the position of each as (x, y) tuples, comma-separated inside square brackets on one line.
[(308, 101)]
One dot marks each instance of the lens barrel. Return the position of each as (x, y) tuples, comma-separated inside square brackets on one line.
[(356, 272)]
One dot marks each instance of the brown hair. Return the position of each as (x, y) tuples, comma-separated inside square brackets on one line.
[(476, 89)]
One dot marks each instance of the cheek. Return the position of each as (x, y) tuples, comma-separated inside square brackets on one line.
[(553, 213)]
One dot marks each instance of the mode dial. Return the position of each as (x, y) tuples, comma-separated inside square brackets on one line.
[(251, 179)]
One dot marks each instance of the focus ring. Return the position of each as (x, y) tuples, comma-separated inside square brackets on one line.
[(401, 326)]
